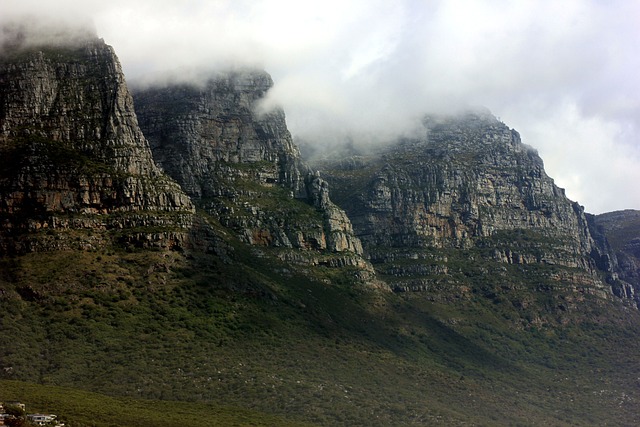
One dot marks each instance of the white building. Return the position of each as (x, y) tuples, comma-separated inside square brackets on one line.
[(41, 419)]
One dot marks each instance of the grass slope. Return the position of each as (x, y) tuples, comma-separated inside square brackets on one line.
[(307, 345), (77, 408)]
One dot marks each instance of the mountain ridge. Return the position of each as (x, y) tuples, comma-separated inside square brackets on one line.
[(72, 150), (251, 282), (467, 179), (213, 140)]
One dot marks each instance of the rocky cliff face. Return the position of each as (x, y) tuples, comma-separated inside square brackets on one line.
[(241, 164), (71, 152), (194, 129), (619, 235), (466, 183), (429, 211)]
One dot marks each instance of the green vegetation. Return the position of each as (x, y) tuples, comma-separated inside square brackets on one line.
[(77, 408), (229, 334), (199, 333)]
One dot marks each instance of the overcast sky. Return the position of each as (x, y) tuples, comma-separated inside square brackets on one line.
[(565, 74)]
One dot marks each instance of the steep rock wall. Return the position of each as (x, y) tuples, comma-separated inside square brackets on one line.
[(467, 182), (70, 145), (240, 164), (618, 235), (193, 128)]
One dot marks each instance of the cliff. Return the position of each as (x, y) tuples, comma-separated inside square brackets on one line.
[(72, 155), (467, 184), (194, 128), (75, 158), (249, 297), (619, 234), (241, 166)]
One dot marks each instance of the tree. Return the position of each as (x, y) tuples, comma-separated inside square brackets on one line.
[(16, 416)]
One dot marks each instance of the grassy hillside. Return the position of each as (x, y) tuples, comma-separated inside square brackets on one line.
[(247, 331), (77, 408)]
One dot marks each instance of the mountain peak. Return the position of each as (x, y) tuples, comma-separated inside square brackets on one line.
[(69, 139)]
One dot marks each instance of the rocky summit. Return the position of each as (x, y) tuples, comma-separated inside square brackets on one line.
[(240, 164), (71, 150), (467, 183), (168, 257)]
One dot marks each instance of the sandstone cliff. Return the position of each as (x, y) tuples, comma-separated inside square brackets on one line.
[(242, 167), (71, 151), (196, 128), (618, 233), (466, 184), (75, 161)]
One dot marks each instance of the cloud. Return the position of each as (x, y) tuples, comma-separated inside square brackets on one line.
[(564, 74), (26, 30), (571, 142)]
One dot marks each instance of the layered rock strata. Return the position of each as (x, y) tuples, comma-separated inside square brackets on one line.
[(71, 150), (196, 129), (466, 183), (618, 234), (241, 165)]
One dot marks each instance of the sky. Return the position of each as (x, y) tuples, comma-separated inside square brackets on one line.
[(564, 74)]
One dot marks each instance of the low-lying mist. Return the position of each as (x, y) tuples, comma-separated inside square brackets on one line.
[(34, 30)]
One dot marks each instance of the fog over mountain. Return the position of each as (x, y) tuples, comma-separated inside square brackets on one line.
[(564, 74)]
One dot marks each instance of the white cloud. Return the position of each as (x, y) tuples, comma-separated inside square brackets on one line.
[(570, 142), (562, 73)]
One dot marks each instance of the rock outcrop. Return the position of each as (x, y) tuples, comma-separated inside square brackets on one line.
[(240, 164), (339, 231), (71, 152), (467, 183), (194, 129), (618, 235)]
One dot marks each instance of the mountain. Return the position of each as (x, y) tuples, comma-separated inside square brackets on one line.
[(620, 231), (466, 185), (73, 157), (177, 253), (228, 156)]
